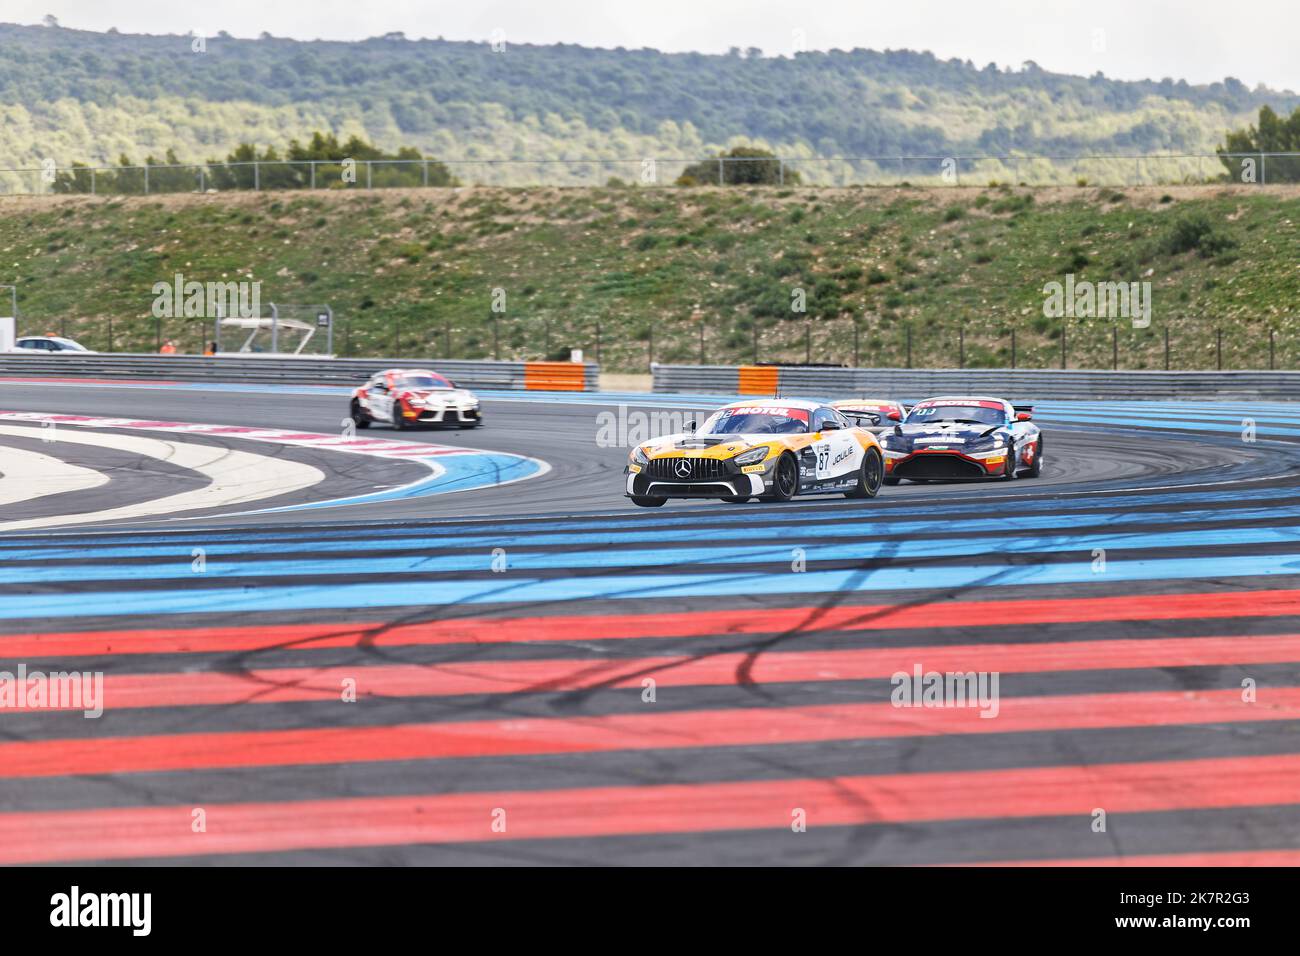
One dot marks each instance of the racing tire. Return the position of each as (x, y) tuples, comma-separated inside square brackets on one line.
[(871, 475), (399, 420), (359, 417), (1036, 469), (785, 480), (1009, 469), (646, 501)]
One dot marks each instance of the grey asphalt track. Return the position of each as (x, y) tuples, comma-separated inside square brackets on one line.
[(585, 477), (521, 687)]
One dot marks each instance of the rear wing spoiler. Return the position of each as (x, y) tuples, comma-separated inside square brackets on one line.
[(874, 417), (857, 414), (1023, 408)]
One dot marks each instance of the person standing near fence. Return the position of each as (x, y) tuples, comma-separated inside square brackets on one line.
[(168, 348)]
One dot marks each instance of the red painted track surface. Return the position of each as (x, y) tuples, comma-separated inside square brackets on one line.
[(610, 811), (280, 684), (1232, 784), (695, 729)]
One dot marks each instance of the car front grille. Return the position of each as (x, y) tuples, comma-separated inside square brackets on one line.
[(938, 466), (701, 469)]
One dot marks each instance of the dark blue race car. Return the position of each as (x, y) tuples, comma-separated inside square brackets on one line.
[(955, 438)]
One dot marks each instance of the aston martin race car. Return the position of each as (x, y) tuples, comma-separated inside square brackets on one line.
[(771, 450), (960, 438), (413, 396), (874, 413)]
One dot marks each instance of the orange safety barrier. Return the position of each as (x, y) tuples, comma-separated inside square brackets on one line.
[(555, 376), (758, 380)]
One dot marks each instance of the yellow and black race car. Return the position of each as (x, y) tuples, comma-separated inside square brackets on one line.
[(771, 450)]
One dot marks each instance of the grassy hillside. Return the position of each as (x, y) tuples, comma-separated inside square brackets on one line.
[(413, 272), (72, 95)]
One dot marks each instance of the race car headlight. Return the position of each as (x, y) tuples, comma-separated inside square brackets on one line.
[(639, 456), (752, 457), (894, 443)]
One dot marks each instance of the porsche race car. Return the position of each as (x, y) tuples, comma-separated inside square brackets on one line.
[(961, 438), (874, 413), (405, 397), (771, 450)]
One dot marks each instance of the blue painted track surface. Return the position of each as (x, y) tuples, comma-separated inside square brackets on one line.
[(500, 640)]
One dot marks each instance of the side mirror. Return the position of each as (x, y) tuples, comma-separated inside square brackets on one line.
[(831, 427), (894, 417), (689, 426), (1023, 416)]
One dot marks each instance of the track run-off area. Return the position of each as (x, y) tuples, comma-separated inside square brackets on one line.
[(465, 646)]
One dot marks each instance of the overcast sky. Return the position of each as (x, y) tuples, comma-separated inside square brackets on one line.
[(1197, 40)]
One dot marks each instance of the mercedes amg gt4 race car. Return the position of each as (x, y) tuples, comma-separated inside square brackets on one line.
[(755, 449), (952, 438), (404, 397)]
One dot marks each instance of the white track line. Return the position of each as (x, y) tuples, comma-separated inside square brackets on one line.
[(26, 475), (236, 477)]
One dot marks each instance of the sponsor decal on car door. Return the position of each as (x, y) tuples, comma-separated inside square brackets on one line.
[(837, 454)]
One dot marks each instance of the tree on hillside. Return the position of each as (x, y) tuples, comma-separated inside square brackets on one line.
[(742, 166), (403, 168), (129, 178), (246, 168), (74, 180), (1273, 135), (63, 89), (326, 146)]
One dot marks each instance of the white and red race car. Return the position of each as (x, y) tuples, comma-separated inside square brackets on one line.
[(873, 413), (405, 397)]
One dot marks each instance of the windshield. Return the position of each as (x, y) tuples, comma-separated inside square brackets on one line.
[(757, 420), (976, 413), (428, 380)]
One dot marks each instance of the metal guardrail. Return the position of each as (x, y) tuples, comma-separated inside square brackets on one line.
[(551, 376), (951, 170), (1028, 384)]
